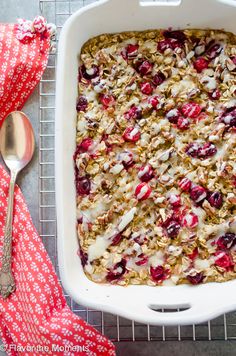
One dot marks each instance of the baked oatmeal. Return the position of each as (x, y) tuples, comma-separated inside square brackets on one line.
[(155, 157)]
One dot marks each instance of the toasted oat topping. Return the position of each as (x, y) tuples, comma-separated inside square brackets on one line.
[(155, 157)]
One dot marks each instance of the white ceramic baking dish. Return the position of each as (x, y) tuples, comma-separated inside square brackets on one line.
[(203, 302)]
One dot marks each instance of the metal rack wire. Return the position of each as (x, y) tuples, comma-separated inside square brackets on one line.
[(116, 328)]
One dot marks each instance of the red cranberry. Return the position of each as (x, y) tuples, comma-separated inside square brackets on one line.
[(124, 54), (234, 180), (107, 100), (141, 239), (146, 173), (117, 272), (131, 134), (173, 115), (159, 273), (82, 104), (144, 68), (142, 260), (202, 152), (198, 193), (183, 123), (105, 138), (146, 88), (80, 220), (83, 185), (76, 153), (194, 254), (215, 199), (163, 45), (207, 150), (185, 184), (200, 63), (196, 278), (154, 101), (223, 260), (193, 150), (132, 51), (172, 227), (84, 146), (214, 95), (158, 78), (233, 59), (173, 40), (116, 239), (175, 200), (142, 191), (133, 113), (126, 158), (226, 241), (229, 117), (83, 257), (191, 110), (176, 34), (90, 73), (190, 220), (168, 43), (214, 50)]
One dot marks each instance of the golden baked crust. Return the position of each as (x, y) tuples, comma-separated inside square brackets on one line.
[(155, 158)]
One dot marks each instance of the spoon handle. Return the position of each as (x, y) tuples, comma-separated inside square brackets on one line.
[(7, 283)]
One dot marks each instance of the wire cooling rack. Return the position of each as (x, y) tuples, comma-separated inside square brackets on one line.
[(116, 328)]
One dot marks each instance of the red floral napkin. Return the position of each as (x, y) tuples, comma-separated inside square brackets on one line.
[(35, 319)]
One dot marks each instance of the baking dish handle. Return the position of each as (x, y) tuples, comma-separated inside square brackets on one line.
[(150, 2), (177, 314), (170, 3), (160, 3)]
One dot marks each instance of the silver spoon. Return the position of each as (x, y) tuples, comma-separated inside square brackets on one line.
[(17, 147)]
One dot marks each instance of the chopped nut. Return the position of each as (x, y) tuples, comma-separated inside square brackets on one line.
[(208, 208)]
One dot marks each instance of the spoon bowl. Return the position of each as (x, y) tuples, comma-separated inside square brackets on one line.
[(17, 142), (17, 147)]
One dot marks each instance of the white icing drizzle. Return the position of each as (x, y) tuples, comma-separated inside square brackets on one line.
[(183, 87), (174, 250), (97, 249), (124, 156), (201, 214), (200, 264), (94, 211), (157, 259), (127, 218), (209, 82), (82, 126), (173, 198), (145, 139), (156, 127), (117, 168)]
